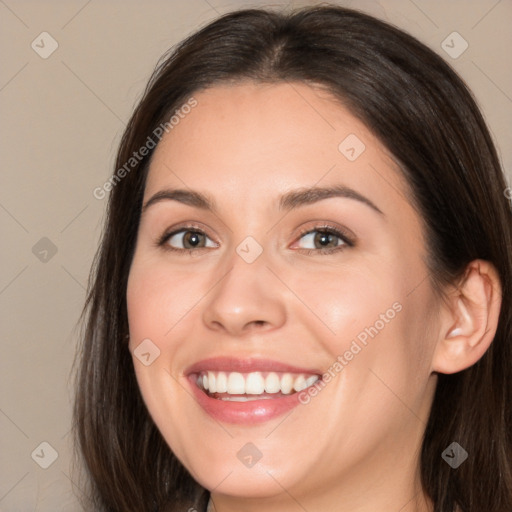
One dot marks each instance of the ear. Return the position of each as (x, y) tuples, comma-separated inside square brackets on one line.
[(469, 319)]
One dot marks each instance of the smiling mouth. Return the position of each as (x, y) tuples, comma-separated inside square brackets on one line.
[(244, 387)]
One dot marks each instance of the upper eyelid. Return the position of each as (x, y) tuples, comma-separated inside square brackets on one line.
[(187, 227), (348, 239)]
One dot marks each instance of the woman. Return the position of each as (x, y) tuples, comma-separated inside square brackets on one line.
[(302, 296)]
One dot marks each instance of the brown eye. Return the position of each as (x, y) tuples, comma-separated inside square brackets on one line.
[(187, 239), (323, 239)]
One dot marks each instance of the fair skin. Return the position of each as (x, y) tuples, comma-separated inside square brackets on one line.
[(355, 445)]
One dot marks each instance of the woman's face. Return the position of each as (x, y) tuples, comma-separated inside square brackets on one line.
[(302, 259)]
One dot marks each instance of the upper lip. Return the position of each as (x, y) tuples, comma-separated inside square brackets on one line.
[(246, 365)]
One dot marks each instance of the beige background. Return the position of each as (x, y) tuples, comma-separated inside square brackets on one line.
[(62, 118)]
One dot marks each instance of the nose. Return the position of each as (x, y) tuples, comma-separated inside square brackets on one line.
[(247, 299)]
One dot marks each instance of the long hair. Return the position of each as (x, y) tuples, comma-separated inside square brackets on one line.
[(425, 116)]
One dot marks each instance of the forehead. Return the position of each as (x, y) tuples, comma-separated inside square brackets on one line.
[(254, 140)]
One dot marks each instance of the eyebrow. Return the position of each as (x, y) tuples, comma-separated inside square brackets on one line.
[(288, 201), (189, 197)]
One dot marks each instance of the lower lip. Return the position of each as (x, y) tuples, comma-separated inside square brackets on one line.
[(250, 412)]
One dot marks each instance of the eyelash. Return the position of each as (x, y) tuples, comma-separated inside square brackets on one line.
[(324, 228), (347, 241)]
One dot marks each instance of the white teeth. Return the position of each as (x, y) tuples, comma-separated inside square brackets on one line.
[(211, 382), (311, 380), (272, 383), (300, 383), (286, 383), (245, 398), (222, 382), (254, 383), (236, 384)]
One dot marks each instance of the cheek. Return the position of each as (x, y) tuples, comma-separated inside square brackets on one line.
[(369, 320), (393, 365), (345, 303), (159, 303), (140, 299), (159, 300)]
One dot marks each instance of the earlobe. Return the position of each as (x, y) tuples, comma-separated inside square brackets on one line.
[(470, 319)]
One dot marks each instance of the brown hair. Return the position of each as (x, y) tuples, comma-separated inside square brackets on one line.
[(425, 116)]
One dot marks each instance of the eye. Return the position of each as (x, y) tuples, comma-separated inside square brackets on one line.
[(324, 240), (186, 239), (321, 240)]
